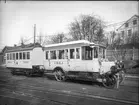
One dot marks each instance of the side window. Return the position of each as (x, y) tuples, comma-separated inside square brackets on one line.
[(16, 56), (100, 52), (24, 55), (77, 53), (72, 54), (103, 53), (53, 54), (61, 54), (46, 54), (66, 54), (20, 55), (28, 55), (95, 52), (7, 56), (13, 56), (10, 56)]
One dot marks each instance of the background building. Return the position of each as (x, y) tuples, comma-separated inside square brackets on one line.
[(129, 31)]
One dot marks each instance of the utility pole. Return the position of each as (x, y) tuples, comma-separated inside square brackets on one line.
[(34, 33)]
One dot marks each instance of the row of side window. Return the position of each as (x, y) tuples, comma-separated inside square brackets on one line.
[(18, 56), (63, 54)]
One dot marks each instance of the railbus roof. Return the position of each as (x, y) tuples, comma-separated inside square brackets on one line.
[(23, 47), (81, 42), (84, 42)]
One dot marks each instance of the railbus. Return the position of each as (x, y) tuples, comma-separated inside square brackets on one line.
[(80, 60), (27, 59)]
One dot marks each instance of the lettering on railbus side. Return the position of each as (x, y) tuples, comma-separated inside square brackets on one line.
[(58, 62), (25, 61), (9, 61)]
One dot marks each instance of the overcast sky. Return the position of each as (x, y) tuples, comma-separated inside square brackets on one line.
[(18, 17)]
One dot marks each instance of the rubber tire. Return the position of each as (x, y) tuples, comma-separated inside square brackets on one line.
[(59, 72), (109, 78)]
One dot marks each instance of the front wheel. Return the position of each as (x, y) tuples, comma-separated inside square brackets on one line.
[(109, 81), (59, 75)]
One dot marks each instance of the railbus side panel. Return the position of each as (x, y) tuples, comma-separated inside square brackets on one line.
[(20, 63)]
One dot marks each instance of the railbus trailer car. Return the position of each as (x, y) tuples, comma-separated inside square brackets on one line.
[(27, 59), (82, 60)]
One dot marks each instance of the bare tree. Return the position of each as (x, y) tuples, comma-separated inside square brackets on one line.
[(118, 50), (22, 40), (58, 38), (42, 39), (88, 27)]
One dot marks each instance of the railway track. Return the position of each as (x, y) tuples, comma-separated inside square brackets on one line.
[(20, 96), (8, 78), (28, 92), (34, 87), (22, 78)]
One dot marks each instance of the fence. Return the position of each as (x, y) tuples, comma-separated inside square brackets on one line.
[(123, 54)]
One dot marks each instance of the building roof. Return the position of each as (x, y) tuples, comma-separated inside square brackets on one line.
[(128, 20), (113, 27)]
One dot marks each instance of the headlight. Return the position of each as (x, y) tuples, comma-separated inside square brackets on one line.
[(41, 67), (119, 64), (113, 69)]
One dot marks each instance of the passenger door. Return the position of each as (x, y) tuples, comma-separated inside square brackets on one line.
[(75, 62), (47, 61)]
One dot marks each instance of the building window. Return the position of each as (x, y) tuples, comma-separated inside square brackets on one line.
[(46, 54), (72, 52), (126, 24), (77, 53), (134, 22), (129, 32), (53, 54), (61, 54), (28, 55)]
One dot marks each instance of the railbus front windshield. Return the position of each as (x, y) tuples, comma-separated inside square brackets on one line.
[(93, 52)]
